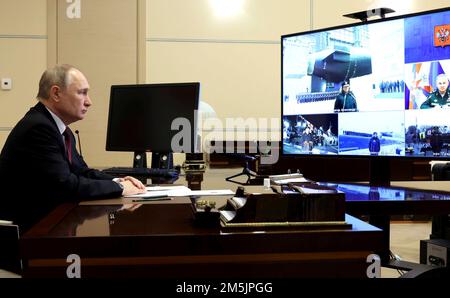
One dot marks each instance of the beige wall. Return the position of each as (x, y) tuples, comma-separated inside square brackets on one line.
[(103, 44), (329, 13), (23, 48), (236, 58)]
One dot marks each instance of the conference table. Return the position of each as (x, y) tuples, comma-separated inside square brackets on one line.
[(162, 239)]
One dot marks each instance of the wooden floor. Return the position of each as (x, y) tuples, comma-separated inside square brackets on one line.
[(405, 243), (6, 274)]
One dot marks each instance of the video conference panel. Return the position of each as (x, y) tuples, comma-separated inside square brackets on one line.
[(378, 88)]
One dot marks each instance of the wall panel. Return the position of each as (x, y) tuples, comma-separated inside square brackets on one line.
[(229, 74), (23, 52), (103, 44), (236, 58), (255, 20), (328, 14), (23, 17)]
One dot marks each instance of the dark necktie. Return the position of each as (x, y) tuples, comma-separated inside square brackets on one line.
[(68, 143)]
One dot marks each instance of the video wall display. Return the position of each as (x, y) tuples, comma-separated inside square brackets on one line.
[(377, 88)]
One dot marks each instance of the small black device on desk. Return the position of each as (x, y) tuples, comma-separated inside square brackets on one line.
[(141, 172)]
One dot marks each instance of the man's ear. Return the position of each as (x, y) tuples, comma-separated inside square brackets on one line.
[(55, 93)]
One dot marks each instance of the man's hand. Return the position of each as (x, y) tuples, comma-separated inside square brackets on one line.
[(135, 182), (131, 186)]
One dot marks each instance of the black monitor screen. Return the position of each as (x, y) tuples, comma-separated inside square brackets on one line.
[(141, 117), (378, 88)]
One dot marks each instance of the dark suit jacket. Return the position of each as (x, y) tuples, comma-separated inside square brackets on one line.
[(35, 173)]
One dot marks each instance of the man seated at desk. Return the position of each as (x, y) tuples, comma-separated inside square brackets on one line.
[(40, 167)]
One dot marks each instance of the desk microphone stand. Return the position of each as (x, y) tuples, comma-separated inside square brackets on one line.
[(246, 171)]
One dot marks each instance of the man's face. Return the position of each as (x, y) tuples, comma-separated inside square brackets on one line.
[(346, 88), (442, 84), (74, 100)]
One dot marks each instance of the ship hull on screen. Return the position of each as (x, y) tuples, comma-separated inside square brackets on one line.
[(371, 89)]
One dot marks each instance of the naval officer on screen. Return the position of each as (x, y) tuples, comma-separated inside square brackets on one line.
[(345, 101)]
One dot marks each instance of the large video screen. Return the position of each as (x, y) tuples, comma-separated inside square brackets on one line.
[(378, 88)]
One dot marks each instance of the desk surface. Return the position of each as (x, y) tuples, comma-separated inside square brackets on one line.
[(424, 185), (161, 240), (411, 197)]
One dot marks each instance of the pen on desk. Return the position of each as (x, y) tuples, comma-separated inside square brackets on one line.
[(150, 199)]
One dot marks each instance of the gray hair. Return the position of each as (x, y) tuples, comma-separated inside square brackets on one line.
[(442, 75), (57, 75)]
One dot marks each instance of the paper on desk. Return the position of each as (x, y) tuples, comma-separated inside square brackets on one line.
[(168, 187), (163, 191), (182, 192), (212, 192), (291, 180)]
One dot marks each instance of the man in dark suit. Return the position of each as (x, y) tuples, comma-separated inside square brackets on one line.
[(40, 167), (374, 144)]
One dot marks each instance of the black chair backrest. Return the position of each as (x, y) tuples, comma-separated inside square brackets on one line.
[(9, 248), (441, 171)]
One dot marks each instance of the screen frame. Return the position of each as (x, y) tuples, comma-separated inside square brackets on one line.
[(194, 127), (349, 156)]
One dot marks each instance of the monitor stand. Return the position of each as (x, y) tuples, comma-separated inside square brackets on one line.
[(380, 171), (380, 175), (162, 160), (140, 159)]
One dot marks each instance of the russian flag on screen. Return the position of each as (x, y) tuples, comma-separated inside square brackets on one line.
[(422, 84)]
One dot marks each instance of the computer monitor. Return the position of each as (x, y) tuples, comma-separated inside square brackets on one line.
[(393, 69), (157, 118)]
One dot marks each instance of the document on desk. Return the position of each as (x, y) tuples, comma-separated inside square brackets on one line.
[(162, 193), (167, 187), (290, 180), (212, 192), (181, 192), (287, 178)]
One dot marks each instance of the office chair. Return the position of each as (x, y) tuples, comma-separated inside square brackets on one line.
[(10, 262), (440, 226), (441, 171)]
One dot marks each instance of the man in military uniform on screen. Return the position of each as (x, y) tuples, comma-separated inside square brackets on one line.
[(440, 97), (345, 101)]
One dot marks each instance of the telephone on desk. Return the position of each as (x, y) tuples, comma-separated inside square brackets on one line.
[(293, 209)]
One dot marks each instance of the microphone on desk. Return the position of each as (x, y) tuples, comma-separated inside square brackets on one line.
[(79, 142)]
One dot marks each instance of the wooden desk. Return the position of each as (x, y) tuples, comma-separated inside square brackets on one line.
[(161, 240), (380, 203)]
